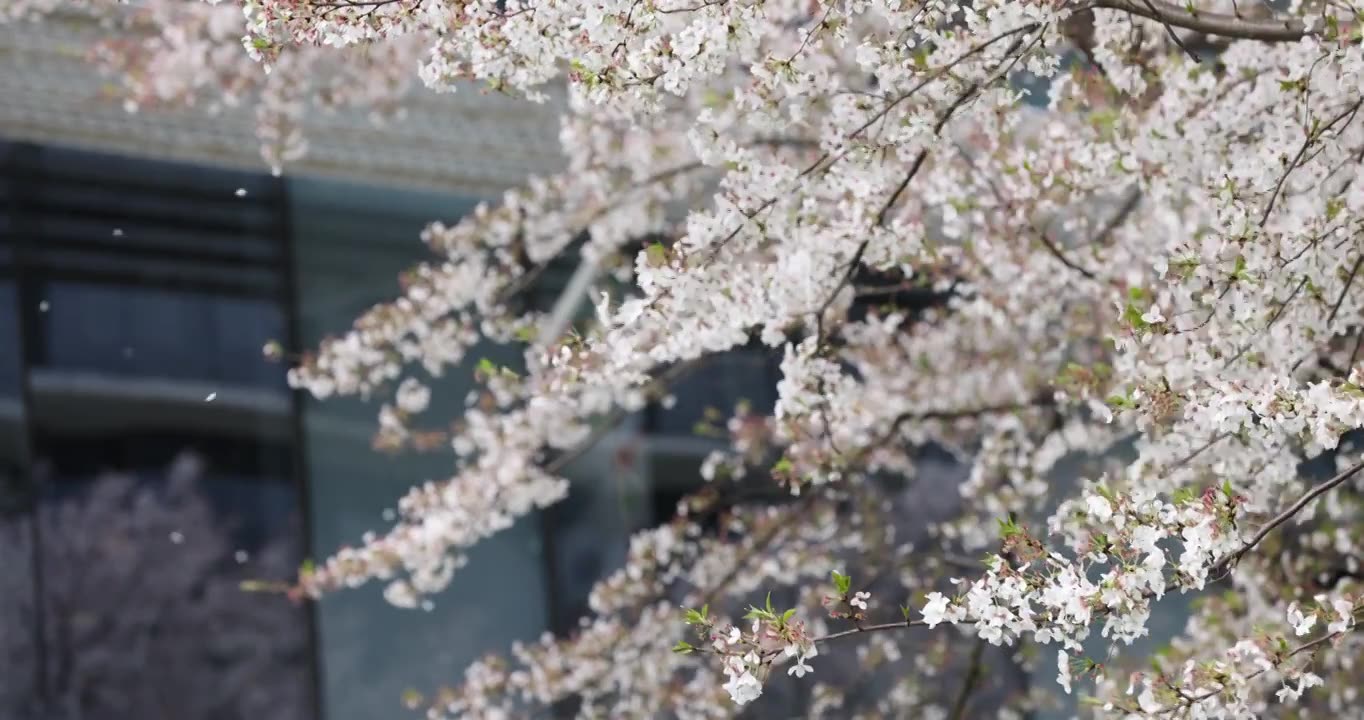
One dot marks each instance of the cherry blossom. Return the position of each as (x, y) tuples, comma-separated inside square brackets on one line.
[(1145, 269)]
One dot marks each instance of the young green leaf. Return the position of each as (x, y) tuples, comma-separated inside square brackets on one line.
[(842, 583)]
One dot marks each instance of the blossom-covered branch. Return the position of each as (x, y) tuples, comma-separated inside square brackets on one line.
[(1145, 264)]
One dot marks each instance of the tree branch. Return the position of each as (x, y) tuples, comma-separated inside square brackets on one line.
[(1212, 23), (1226, 562), (1288, 513), (973, 672), (1354, 270), (609, 421), (1043, 400), (870, 628)]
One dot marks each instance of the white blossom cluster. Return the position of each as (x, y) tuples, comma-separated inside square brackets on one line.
[(1157, 270)]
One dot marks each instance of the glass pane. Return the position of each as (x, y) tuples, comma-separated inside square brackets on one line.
[(149, 331), (725, 380), (611, 498), (142, 608), (351, 243), (162, 447), (15, 490)]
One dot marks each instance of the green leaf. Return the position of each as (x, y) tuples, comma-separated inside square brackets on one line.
[(1185, 266), (1226, 489), (1333, 208), (712, 99), (782, 467), (759, 614), (921, 58), (657, 255), (487, 368), (1133, 316), (306, 567), (683, 647), (786, 616), (842, 582), (1120, 401), (697, 617), (904, 610), (1105, 121)]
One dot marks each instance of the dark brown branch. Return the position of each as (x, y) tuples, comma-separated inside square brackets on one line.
[(1129, 204), (1354, 270), (943, 118), (870, 628), (760, 543), (1171, 32), (1359, 338), (1212, 23), (1040, 401), (613, 418), (1288, 513), (973, 672), (1190, 700), (1060, 256)]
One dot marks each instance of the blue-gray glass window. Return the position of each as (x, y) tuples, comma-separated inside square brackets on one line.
[(14, 485), (138, 287), (351, 243), (158, 332), (18, 592), (747, 374)]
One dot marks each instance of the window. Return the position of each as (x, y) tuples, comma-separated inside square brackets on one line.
[(153, 444)]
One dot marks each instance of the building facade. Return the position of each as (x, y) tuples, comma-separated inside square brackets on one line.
[(154, 460), (136, 296)]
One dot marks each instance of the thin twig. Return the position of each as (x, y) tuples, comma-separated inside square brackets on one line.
[(1133, 198), (1313, 135), (1060, 256), (760, 543), (1359, 337), (881, 216), (609, 421), (1171, 31), (1288, 513), (1345, 290), (869, 629), (1044, 400), (1225, 563), (973, 672)]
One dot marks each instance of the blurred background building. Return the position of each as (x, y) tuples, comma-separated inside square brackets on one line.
[(151, 458)]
